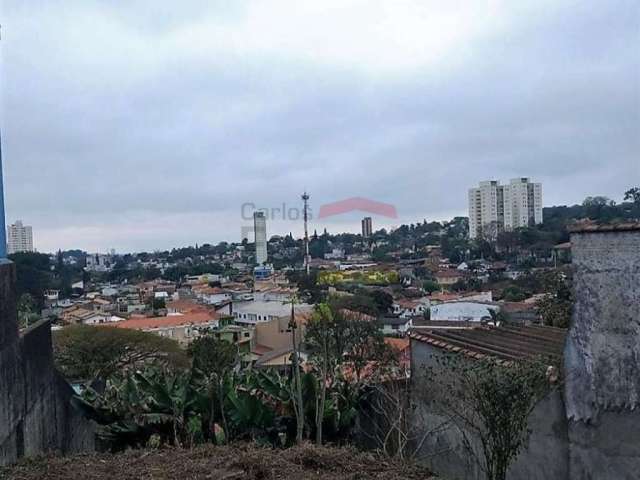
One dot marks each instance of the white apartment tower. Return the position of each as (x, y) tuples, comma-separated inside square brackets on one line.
[(260, 235), (494, 207), (522, 204), (19, 238), (367, 227)]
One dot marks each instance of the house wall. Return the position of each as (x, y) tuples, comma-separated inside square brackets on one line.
[(448, 451), (467, 311), (274, 334), (602, 356), (36, 414), (592, 430)]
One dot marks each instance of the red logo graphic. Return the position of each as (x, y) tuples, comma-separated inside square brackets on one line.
[(357, 203)]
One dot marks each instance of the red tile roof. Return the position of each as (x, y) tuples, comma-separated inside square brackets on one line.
[(142, 323), (399, 344), (261, 349), (589, 226), (186, 306), (505, 342)]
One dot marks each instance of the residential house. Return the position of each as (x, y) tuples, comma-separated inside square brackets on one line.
[(406, 308), (273, 340), (180, 327), (395, 325), (253, 312), (463, 310), (449, 276)]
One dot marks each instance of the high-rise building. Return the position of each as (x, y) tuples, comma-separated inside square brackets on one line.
[(494, 208), (3, 233), (260, 236), (522, 204), (19, 238), (367, 227)]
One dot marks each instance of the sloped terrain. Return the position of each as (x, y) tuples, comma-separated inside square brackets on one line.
[(219, 463)]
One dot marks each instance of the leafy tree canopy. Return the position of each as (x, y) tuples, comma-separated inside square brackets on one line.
[(84, 352)]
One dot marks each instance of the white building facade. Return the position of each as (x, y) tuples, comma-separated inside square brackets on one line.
[(367, 227), (494, 208), (462, 311), (19, 238), (522, 204), (260, 232)]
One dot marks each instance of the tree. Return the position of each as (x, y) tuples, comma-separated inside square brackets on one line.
[(215, 358), (382, 300), (633, 194), (490, 400), (365, 346), (158, 303), (33, 275), (27, 310), (513, 293), (84, 352), (430, 286), (556, 306), (320, 340), (598, 201), (359, 302)]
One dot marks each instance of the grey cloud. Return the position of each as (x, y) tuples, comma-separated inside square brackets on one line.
[(149, 135)]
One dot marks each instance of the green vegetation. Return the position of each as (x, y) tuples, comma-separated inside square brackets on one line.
[(88, 353), (369, 277), (212, 400), (340, 343), (556, 307), (214, 359), (27, 311), (491, 401)]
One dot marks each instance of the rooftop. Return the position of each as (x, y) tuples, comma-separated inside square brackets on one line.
[(505, 342), (394, 320), (591, 227), (275, 308), (143, 323)]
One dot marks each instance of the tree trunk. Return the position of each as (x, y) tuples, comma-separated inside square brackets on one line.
[(298, 407), (212, 416), (323, 394), (224, 417)]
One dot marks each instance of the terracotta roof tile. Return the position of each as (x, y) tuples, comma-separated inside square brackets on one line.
[(506, 342), (144, 323)]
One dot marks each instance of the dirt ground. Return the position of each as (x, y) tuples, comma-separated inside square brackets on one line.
[(238, 462)]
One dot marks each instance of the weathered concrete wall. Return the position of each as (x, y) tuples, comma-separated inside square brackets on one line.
[(453, 452), (36, 415), (592, 431), (602, 358)]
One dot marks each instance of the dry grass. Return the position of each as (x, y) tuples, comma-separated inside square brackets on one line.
[(246, 462)]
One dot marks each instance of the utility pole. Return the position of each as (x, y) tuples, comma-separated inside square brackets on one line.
[(3, 232), (307, 258), (297, 381)]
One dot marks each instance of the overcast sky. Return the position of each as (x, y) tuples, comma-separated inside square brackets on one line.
[(145, 125)]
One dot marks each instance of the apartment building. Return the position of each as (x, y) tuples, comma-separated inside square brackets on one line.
[(260, 232), (494, 208), (19, 238), (367, 227)]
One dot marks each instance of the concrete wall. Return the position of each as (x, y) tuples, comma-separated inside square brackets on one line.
[(453, 452), (602, 358), (592, 430), (36, 415)]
